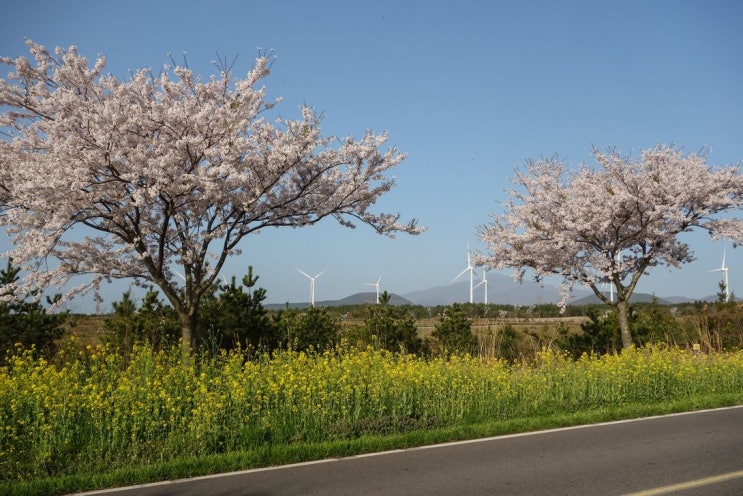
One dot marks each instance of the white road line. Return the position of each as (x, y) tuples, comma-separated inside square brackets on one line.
[(689, 485)]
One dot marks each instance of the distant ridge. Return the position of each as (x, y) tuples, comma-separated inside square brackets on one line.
[(502, 290), (645, 298), (592, 299), (354, 299)]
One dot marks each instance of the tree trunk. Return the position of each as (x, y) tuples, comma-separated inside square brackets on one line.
[(188, 331), (623, 317)]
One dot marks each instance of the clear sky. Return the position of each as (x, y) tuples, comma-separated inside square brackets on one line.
[(468, 89)]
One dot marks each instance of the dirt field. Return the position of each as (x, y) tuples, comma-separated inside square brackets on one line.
[(536, 324), (89, 328)]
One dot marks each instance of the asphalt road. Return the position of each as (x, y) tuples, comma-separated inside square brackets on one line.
[(690, 454)]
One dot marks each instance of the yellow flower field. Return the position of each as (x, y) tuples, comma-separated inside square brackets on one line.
[(95, 410)]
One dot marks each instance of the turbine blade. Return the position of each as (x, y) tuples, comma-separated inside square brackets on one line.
[(460, 275), (304, 273)]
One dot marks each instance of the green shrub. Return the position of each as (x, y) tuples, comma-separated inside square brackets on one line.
[(236, 318), (153, 322), (391, 328), (313, 328), (23, 319), (454, 331)]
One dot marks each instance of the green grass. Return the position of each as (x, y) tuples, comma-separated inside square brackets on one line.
[(95, 420)]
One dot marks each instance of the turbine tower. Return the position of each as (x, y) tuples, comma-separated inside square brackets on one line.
[(471, 270), (609, 282), (484, 282), (724, 271), (312, 284), (376, 285), (610, 286)]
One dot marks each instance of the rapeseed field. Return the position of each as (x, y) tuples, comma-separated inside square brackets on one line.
[(95, 410)]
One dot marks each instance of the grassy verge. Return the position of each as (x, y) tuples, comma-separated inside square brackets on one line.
[(282, 454)]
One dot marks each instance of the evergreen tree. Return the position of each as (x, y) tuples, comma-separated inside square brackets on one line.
[(312, 328), (23, 320), (454, 331), (153, 322), (238, 318), (600, 335), (393, 328), (655, 324)]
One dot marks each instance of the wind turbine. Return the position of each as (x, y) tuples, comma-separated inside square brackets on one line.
[(484, 282), (312, 284), (724, 271), (609, 283), (610, 286), (471, 270), (376, 285)]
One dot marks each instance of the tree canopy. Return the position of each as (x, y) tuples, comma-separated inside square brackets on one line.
[(613, 222), (132, 178)]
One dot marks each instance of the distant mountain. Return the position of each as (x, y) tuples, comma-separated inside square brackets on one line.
[(592, 299), (674, 300), (370, 298), (501, 290), (354, 299), (684, 299)]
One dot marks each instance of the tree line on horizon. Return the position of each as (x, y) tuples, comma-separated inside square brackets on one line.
[(235, 318)]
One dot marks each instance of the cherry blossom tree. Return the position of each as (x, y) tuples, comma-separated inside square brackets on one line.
[(614, 222), (159, 177)]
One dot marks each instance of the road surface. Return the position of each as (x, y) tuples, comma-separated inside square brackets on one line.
[(690, 454)]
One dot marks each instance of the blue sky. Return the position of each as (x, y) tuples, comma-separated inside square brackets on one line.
[(468, 89)]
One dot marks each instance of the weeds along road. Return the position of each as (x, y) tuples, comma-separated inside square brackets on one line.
[(698, 453)]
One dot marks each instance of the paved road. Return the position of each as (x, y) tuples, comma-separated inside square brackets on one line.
[(688, 455)]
